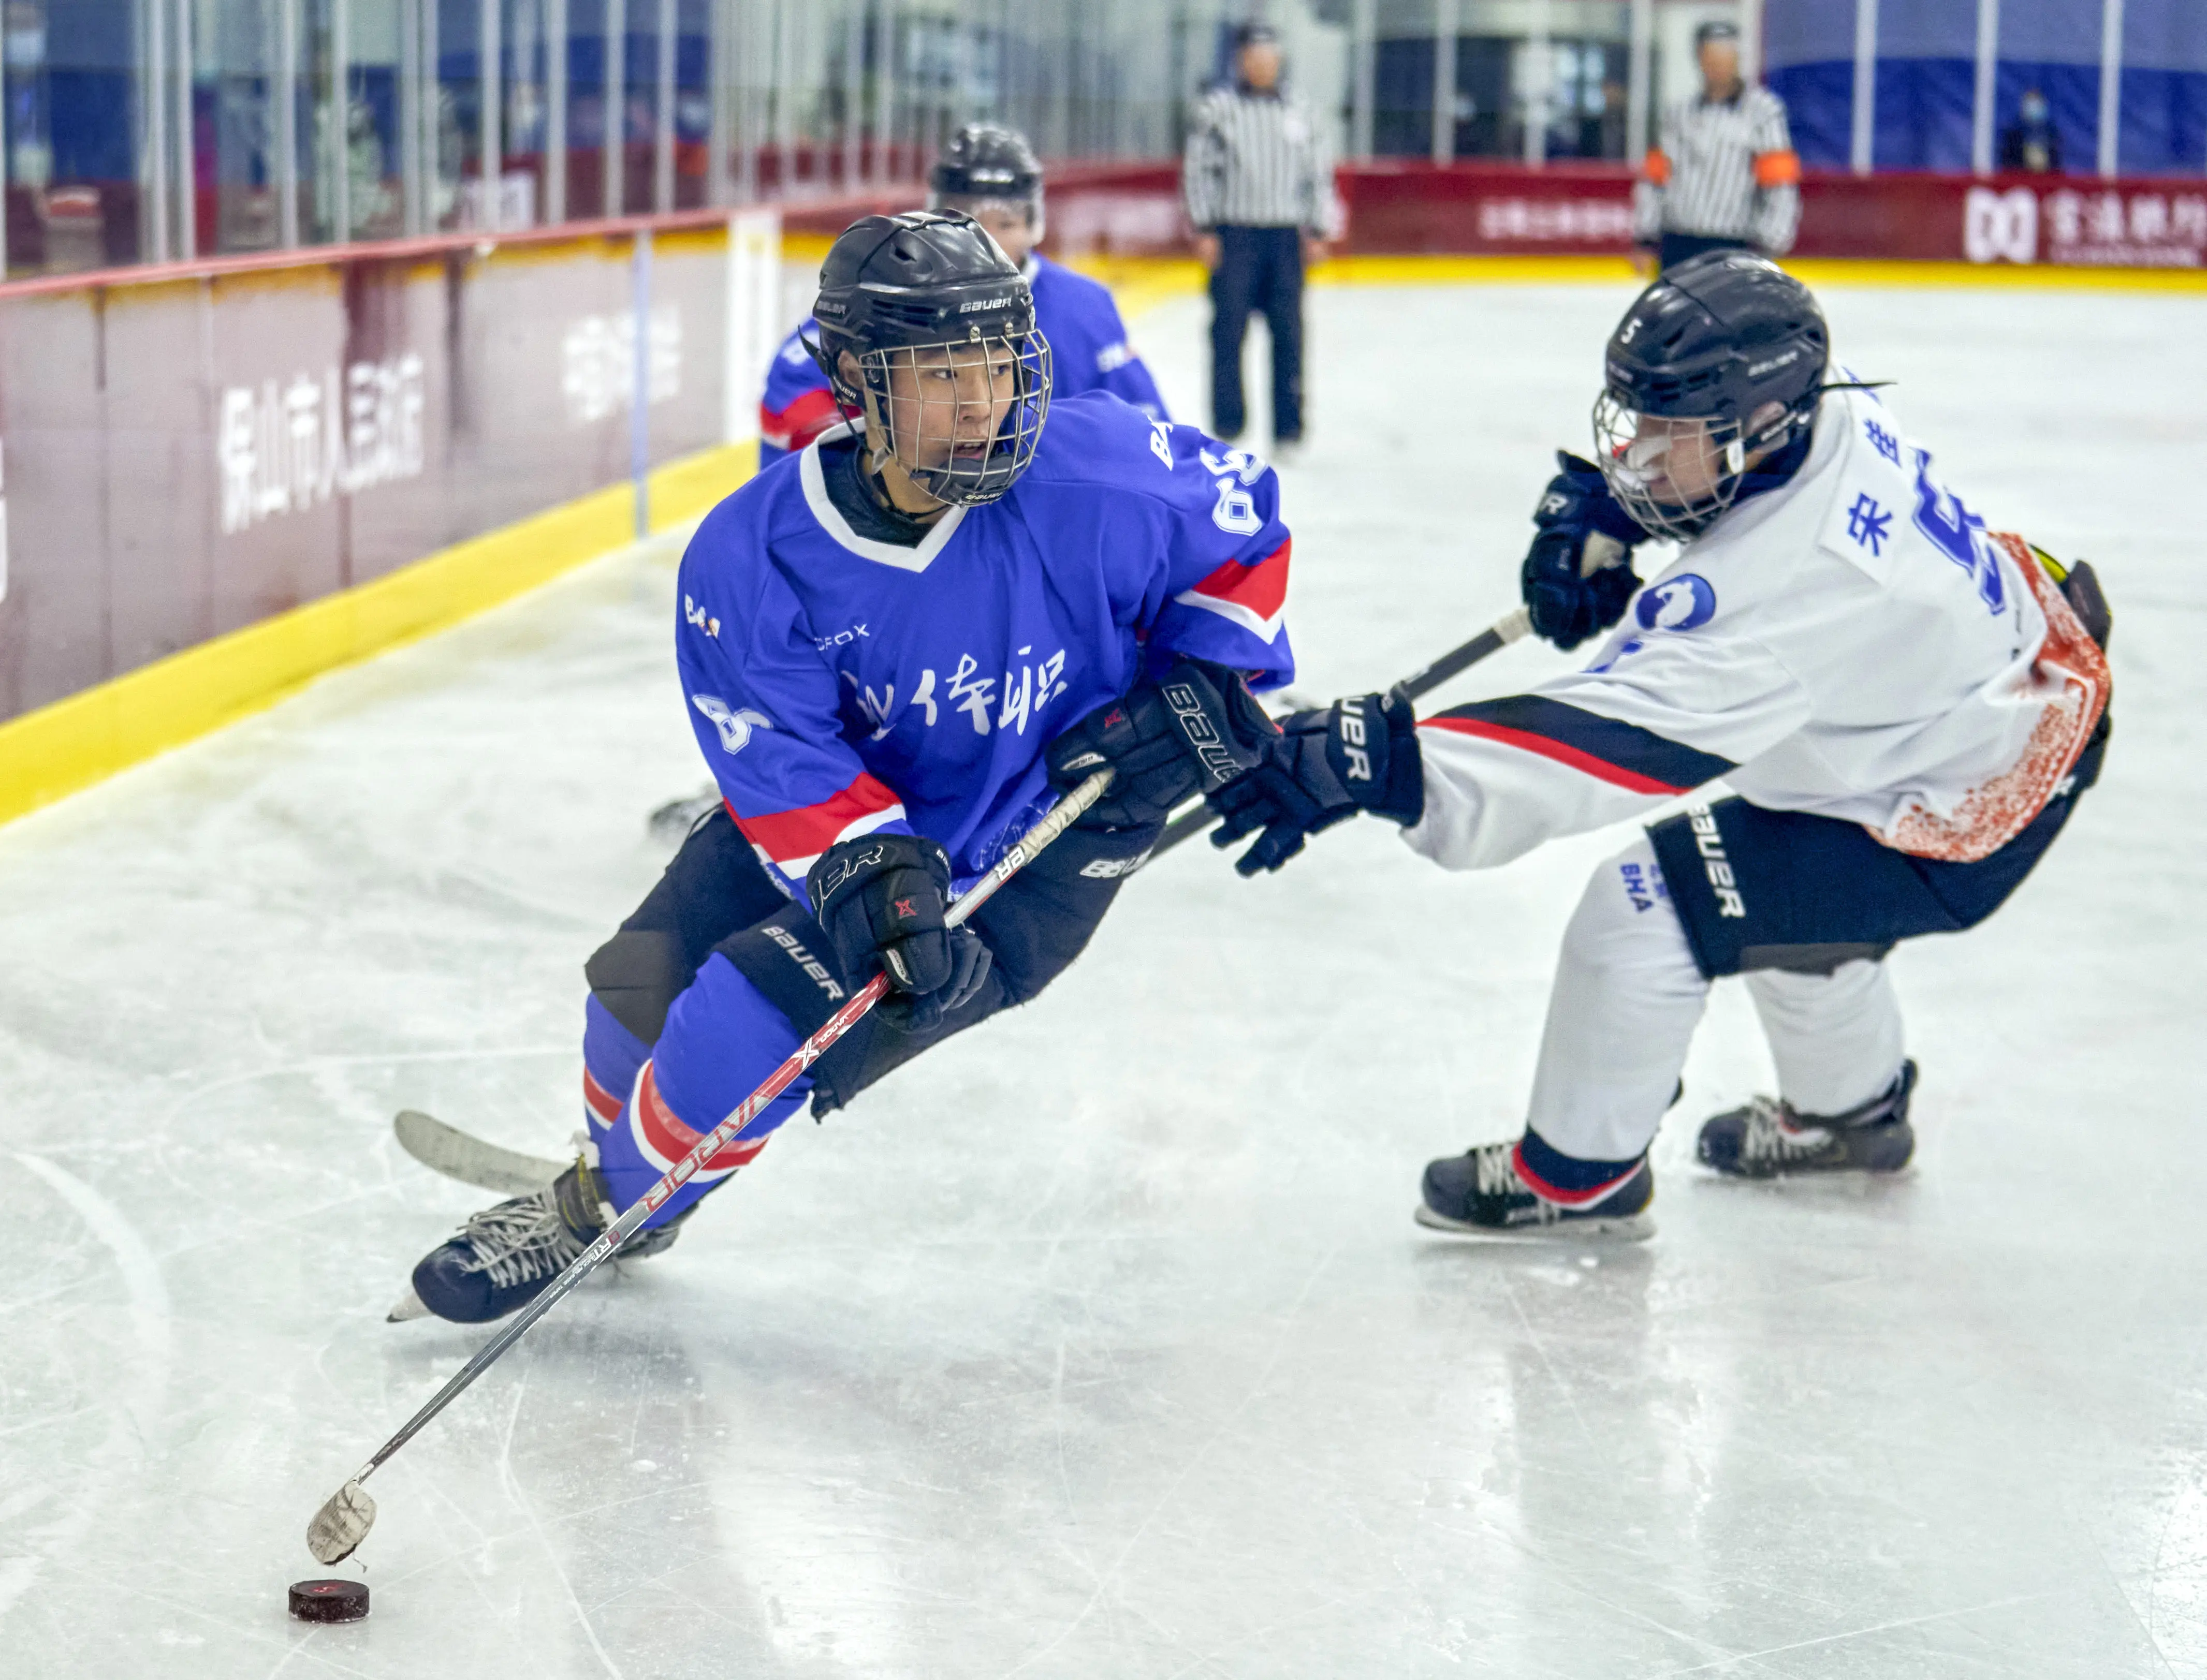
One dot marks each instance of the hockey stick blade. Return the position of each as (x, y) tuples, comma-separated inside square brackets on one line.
[(1511, 626), (449, 1150), (345, 1518), (342, 1524)]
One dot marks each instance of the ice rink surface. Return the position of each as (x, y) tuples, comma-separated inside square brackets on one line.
[(1100, 1343)]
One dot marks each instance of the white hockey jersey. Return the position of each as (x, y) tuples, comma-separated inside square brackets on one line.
[(1854, 644)]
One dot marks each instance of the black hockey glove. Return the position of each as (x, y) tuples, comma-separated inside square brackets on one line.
[(1578, 573), (1194, 732), (1359, 754), (880, 900)]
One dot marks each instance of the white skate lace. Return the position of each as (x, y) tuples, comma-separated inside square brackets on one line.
[(1772, 1134), (1496, 1167), (1498, 1170), (520, 1240)]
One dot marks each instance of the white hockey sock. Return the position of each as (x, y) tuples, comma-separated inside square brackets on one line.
[(1626, 1000), (1836, 1039)]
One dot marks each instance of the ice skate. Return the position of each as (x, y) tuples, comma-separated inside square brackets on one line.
[(504, 1256), (1480, 1193), (1766, 1139)]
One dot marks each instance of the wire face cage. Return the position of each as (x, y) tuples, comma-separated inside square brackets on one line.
[(963, 418), (1673, 475)]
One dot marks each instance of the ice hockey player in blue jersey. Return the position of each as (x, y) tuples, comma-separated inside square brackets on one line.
[(989, 173), (897, 651), (1906, 702)]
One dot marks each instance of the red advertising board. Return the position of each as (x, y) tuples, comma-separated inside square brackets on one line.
[(1407, 207)]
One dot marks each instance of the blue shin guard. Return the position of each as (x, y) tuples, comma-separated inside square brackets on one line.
[(722, 1040)]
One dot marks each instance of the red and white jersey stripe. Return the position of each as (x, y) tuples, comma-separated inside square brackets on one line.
[(791, 841), (806, 417), (1254, 597)]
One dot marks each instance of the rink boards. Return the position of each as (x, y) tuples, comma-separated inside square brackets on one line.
[(222, 480)]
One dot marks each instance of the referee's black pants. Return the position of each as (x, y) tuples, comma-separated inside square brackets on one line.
[(1258, 268), (1678, 248)]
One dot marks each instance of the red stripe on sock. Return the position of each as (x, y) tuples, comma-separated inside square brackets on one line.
[(670, 1137), (603, 1105)]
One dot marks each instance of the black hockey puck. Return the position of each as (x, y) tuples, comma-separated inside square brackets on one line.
[(329, 1601)]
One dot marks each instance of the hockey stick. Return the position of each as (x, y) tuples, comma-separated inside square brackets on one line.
[(1510, 627), (347, 1514)]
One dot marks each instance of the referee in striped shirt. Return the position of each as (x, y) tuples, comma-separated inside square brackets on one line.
[(1725, 176), (1257, 188)]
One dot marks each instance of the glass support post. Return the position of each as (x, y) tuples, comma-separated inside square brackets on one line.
[(285, 114), (1443, 80), (187, 219), (154, 102), (341, 120), (1639, 82), (884, 91), (1364, 53), (1864, 131), (555, 112), (410, 117), (749, 129), (662, 150), (1540, 76), (1981, 101), (490, 73), (854, 91), (614, 201), (2111, 87), (718, 79)]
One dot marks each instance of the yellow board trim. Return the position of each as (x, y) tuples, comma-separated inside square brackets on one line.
[(58, 750)]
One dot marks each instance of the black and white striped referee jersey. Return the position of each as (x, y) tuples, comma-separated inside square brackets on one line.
[(1725, 170), (1255, 160)]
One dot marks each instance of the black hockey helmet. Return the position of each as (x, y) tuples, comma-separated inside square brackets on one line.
[(929, 295), (1721, 358), (987, 163)]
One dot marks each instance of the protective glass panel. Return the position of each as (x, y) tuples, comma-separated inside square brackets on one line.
[(75, 181)]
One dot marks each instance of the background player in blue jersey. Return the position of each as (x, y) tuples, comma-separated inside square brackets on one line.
[(897, 651), (989, 173)]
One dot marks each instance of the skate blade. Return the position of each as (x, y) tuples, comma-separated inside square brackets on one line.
[(410, 1306), (1629, 1228)]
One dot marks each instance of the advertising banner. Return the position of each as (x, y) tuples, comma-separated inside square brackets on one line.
[(185, 453), (1405, 207)]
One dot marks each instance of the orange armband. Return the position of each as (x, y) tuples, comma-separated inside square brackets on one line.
[(1656, 167), (1776, 168)]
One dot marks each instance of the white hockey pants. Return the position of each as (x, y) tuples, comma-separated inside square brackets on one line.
[(1628, 996)]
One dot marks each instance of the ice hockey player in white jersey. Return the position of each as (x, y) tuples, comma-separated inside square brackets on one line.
[(1904, 701)]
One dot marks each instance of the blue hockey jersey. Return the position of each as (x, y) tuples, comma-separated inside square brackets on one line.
[(1088, 345), (841, 687)]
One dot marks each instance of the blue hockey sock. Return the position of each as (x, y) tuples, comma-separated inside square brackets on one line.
[(612, 1058), (1564, 1179)]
